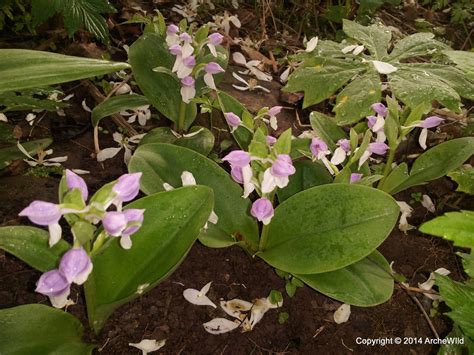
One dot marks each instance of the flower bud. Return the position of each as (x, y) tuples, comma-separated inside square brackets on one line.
[(114, 223), (262, 210), (134, 220), (232, 119), (76, 265), (237, 158), (213, 68), (42, 213), (127, 186), (52, 283), (380, 109), (215, 38), (74, 181)]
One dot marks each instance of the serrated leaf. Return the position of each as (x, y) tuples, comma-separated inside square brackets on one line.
[(320, 78), (41, 10), (117, 104), (455, 226), (418, 44), (354, 101), (375, 38), (464, 177), (23, 69), (39, 329), (415, 88)]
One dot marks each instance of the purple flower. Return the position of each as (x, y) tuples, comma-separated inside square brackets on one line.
[(185, 37), (76, 266), (430, 122), (371, 121), (262, 210), (74, 181), (283, 166), (380, 109), (134, 220), (378, 148), (213, 68), (188, 91), (232, 119), (172, 29), (271, 140), (127, 187), (355, 177), (319, 148), (114, 223), (275, 110), (189, 61), (344, 144), (42, 213), (175, 49), (54, 285), (343, 149), (238, 158), (215, 38), (237, 174)]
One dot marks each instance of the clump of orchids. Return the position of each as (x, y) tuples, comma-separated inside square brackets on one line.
[(76, 265), (192, 58)]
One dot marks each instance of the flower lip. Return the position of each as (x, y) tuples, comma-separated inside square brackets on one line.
[(215, 38), (318, 146), (380, 109), (213, 68), (127, 186), (232, 119), (188, 81), (431, 122), (238, 158), (42, 213), (52, 283), (283, 166), (175, 49), (74, 181), (172, 29)]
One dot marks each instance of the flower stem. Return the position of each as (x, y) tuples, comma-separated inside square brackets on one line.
[(388, 166), (182, 117), (263, 238)]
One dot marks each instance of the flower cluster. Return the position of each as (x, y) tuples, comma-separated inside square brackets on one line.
[(277, 168), (182, 45), (266, 115)]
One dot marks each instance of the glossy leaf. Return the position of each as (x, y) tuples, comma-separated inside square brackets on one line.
[(326, 129), (375, 38), (30, 245), (418, 44), (161, 89), (22, 69), (39, 329), (308, 174), (464, 177), (365, 283), (457, 227), (438, 161), (172, 222), (354, 101), (328, 227), (117, 104), (162, 163), (9, 154), (464, 61)]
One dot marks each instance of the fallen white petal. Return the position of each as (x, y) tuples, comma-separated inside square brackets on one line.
[(428, 204), (107, 153), (199, 298), (188, 179), (239, 58), (236, 307), (284, 75), (220, 325), (384, 68), (348, 49), (311, 45), (148, 345), (342, 314), (3, 117), (358, 50)]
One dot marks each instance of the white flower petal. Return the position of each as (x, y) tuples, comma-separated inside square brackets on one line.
[(311, 45), (247, 175), (55, 232), (383, 68), (269, 182), (239, 58), (342, 314), (58, 159), (428, 204), (23, 150), (422, 138), (82, 277), (284, 75), (3, 117), (197, 297), (339, 156), (209, 80), (239, 78), (107, 153), (260, 75), (262, 88), (167, 187), (348, 49), (220, 326), (125, 242), (187, 93), (358, 50), (241, 88), (236, 307), (61, 300), (148, 345), (188, 179)]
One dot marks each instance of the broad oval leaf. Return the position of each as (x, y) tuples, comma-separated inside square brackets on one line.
[(7, 155), (22, 69), (365, 283), (162, 163), (30, 245), (328, 227), (438, 161), (172, 222), (116, 104), (39, 329)]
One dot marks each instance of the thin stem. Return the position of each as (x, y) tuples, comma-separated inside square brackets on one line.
[(388, 166), (182, 117), (96, 140)]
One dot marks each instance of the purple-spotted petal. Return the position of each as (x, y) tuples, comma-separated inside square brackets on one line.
[(42, 213), (213, 68), (262, 210), (237, 158), (114, 223), (76, 265), (378, 148), (127, 186), (52, 283), (380, 109), (74, 181)]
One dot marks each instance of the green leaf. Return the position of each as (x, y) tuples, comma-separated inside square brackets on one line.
[(418, 44), (172, 222), (308, 174), (162, 163), (365, 283), (30, 245), (328, 227), (468, 263), (463, 60), (41, 10), (414, 88), (320, 78), (464, 177), (39, 329), (29, 100), (438, 161), (326, 129), (117, 104), (22, 69), (290, 289), (283, 144), (460, 298), (354, 101), (375, 38), (455, 226), (7, 155), (242, 136), (162, 90)]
